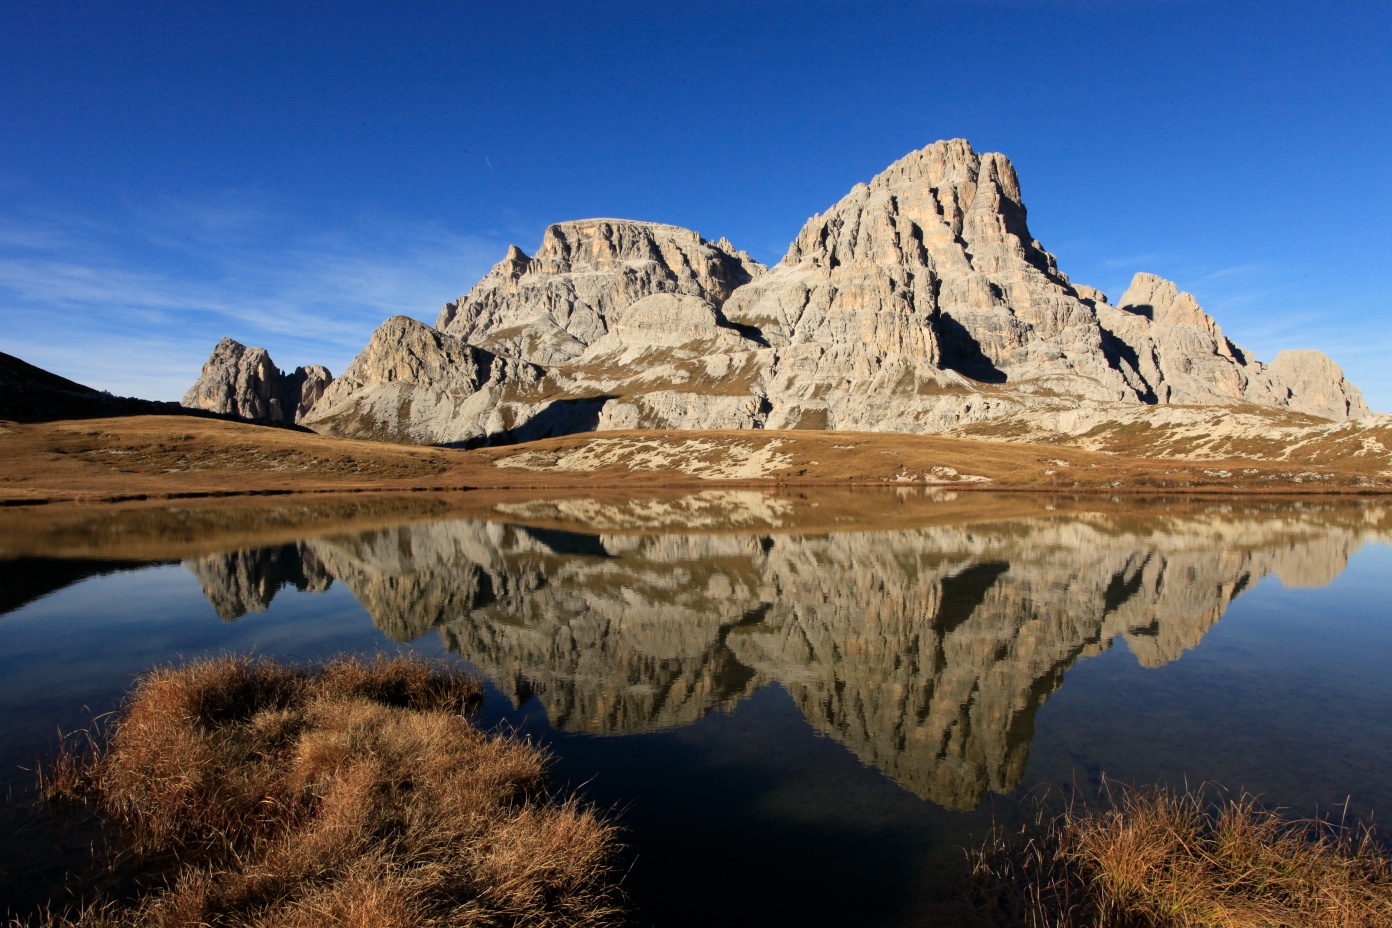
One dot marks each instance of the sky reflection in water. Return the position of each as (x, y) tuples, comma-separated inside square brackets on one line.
[(787, 709)]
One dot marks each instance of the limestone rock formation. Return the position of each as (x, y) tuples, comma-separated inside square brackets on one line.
[(548, 308), (625, 313), (927, 272), (414, 384), (920, 302), (241, 381), (309, 384), (1177, 349), (1183, 357), (1310, 382)]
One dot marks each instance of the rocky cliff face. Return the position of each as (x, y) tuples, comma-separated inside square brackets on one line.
[(550, 307), (1182, 357), (415, 384), (1178, 351), (305, 387), (920, 302), (241, 381), (927, 272), (927, 652), (1309, 382)]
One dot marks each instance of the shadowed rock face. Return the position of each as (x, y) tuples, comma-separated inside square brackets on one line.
[(926, 652)]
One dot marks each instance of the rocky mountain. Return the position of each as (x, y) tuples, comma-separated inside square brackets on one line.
[(920, 302), (545, 342), (904, 305), (927, 651), (549, 308), (244, 382), (1183, 358)]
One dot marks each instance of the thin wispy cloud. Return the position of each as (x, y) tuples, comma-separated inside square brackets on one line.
[(1236, 270), (1135, 263), (180, 275)]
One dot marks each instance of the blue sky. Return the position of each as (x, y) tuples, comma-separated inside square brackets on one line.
[(290, 174)]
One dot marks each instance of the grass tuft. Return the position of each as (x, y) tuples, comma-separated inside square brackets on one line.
[(251, 793), (1164, 859)]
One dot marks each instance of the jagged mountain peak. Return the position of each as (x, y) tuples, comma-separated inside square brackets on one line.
[(550, 307), (1161, 300), (1182, 357)]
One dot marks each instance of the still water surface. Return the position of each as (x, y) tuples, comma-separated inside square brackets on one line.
[(800, 708)]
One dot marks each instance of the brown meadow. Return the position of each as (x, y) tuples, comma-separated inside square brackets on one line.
[(1159, 858), (249, 793)]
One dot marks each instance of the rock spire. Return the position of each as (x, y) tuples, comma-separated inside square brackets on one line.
[(241, 381)]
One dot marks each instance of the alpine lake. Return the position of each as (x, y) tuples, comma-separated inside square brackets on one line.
[(801, 705)]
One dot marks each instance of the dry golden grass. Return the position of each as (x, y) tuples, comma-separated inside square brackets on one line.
[(250, 793), (1163, 859), (164, 457)]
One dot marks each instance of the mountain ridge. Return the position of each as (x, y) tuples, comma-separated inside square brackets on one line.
[(919, 302)]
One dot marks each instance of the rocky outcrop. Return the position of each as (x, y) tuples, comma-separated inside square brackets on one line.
[(924, 282), (414, 384), (927, 652), (305, 387), (1309, 382), (1178, 351), (920, 302), (241, 381), (550, 307), (1182, 357)]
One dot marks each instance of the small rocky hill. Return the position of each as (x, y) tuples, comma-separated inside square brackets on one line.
[(920, 302), (32, 394), (244, 382)]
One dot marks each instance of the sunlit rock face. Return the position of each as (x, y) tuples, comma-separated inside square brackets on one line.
[(894, 305), (413, 384), (919, 302), (241, 381), (550, 307), (1309, 382), (1183, 357), (927, 652)]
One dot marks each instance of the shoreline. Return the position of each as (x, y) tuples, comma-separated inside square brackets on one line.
[(161, 529), (174, 458), (1177, 492)]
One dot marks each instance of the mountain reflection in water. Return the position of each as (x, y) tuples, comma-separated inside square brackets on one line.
[(926, 651)]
